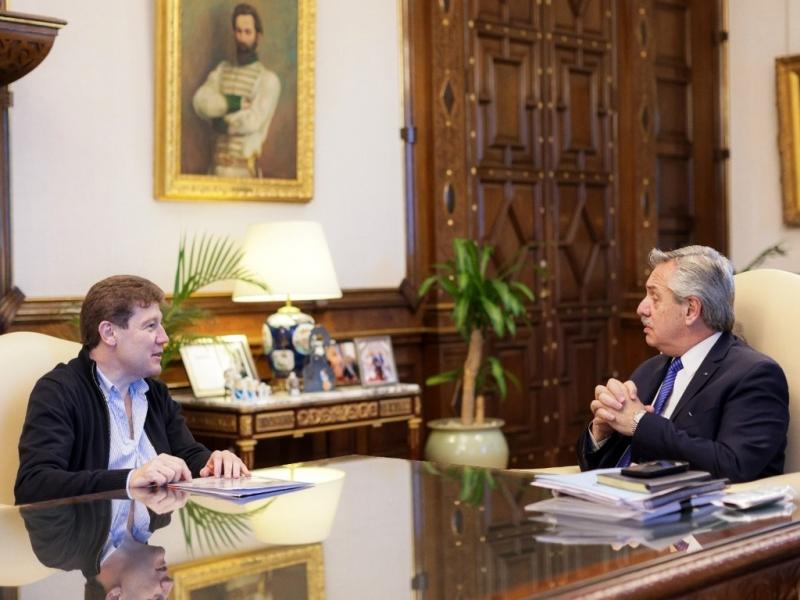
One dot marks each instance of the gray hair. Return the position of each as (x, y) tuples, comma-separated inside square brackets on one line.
[(706, 274)]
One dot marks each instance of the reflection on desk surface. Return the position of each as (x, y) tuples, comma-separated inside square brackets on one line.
[(368, 528)]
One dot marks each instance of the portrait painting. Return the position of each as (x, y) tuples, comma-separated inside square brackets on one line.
[(235, 100)]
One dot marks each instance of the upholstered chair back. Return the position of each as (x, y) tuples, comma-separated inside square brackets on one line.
[(767, 309), (24, 358), (18, 563)]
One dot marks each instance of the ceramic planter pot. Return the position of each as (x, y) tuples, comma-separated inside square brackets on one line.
[(481, 445)]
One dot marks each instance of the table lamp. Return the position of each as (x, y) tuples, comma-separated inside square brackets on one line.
[(293, 259)]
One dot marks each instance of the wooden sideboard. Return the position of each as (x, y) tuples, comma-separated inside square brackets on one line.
[(245, 422)]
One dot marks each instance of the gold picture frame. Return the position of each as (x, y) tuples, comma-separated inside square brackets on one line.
[(295, 568), (787, 70), (192, 39)]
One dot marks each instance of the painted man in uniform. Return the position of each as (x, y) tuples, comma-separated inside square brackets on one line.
[(239, 100)]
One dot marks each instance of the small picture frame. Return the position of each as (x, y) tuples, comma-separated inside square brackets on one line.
[(207, 359), (343, 360), (376, 360)]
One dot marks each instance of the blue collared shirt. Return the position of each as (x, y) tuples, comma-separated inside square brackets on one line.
[(125, 525), (124, 452)]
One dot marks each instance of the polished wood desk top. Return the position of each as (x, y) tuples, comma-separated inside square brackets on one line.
[(385, 528)]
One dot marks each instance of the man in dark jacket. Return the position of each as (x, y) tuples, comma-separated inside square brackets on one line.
[(708, 398), (100, 422)]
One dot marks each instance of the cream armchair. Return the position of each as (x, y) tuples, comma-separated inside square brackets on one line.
[(768, 318), (25, 357)]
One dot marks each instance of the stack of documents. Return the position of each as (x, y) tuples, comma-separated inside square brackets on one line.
[(243, 487), (659, 533), (644, 505)]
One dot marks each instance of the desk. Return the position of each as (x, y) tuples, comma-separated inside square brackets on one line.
[(395, 529), (246, 422)]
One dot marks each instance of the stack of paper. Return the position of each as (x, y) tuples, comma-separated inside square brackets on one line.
[(651, 484), (644, 505), (242, 487), (659, 533)]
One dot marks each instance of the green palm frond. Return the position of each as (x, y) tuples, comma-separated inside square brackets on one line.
[(204, 260), (212, 530)]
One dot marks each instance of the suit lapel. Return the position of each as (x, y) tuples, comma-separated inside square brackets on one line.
[(705, 372)]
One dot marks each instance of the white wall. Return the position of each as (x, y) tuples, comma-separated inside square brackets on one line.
[(82, 152), (759, 32), (82, 143)]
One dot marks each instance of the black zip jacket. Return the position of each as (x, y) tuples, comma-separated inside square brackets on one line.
[(65, 440)]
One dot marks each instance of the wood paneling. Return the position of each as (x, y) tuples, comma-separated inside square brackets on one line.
[(670, 134), (532, 169)]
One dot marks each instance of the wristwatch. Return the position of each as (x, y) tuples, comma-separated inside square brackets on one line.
[(637, 416)]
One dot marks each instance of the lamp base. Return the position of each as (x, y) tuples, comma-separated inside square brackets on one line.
[(286, 336)]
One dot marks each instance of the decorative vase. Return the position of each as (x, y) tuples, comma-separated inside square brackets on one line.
[(482, 445)]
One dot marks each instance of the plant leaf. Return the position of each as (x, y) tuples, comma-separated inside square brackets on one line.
[(498, 373), (445, 377), (495, 315)]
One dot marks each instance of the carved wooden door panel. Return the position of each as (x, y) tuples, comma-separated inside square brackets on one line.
[(525, 149)]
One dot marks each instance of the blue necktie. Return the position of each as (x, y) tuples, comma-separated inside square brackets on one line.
[(663, 394)]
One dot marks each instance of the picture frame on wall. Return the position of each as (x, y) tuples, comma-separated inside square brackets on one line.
[(234, 119), (787, 71), (207, 359), (376, 360)]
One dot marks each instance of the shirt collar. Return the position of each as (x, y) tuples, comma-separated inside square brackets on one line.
[(108, 388), (694, 356)]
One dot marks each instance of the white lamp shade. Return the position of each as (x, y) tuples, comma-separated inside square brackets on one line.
[(292, 258)]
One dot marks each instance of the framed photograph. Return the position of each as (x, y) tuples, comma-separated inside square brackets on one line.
[(788, 81), (283, 572), (207, 359), (344, 362), (234, 100), (376, 360)]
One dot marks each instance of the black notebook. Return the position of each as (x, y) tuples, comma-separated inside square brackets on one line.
[(651, 484)]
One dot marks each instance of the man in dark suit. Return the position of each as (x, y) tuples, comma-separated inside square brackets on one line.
[(708, 398)]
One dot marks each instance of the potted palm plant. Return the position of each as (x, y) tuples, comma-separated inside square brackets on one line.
[(484, 302)]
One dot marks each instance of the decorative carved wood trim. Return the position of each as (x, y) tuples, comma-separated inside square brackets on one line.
[(48, 310), (9, 305), (25, 40)]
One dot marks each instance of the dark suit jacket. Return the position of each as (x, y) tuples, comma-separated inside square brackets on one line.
[(731, 420)]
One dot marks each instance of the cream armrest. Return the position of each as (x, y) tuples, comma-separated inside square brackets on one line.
[(790, 479), (566, 470), (18, 563)]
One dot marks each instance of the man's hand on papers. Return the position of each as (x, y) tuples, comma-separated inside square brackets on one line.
[(163, 469), (613, 408), (224, 464)]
